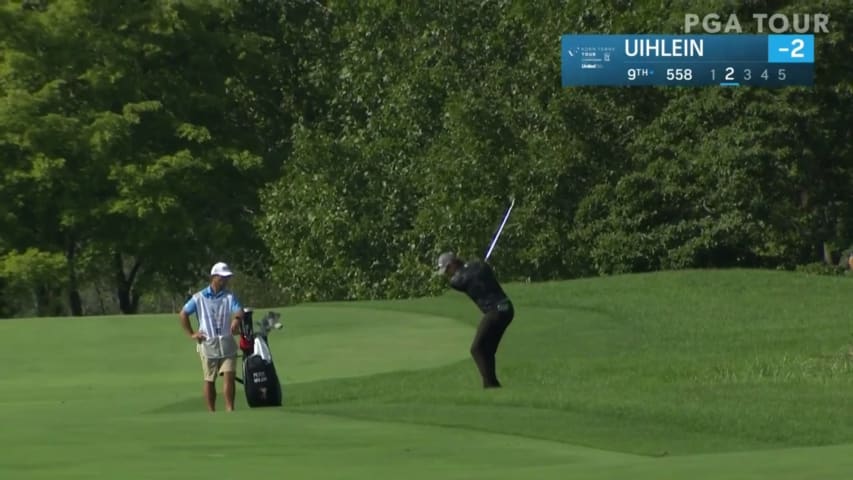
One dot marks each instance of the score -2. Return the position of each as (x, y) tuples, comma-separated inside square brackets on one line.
[(790, 48)]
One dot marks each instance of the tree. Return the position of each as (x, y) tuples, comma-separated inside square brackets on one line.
[(114, 118), (33, 275)]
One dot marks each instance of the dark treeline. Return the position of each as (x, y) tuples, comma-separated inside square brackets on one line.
[(331, 149)]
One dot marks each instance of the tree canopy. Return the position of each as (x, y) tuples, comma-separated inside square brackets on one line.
[(331, 150)]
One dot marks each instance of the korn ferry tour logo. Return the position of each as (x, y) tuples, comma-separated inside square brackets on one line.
[(764, 23)]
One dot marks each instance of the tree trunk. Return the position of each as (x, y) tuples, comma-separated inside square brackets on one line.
[(128, 300), (74, 300), (57, 307), (100, 296), (128, 297), (48, 302), (5, 308), (42, 299), (827, 254)]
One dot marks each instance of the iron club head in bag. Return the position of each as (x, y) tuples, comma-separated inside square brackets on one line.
[(271, 322)]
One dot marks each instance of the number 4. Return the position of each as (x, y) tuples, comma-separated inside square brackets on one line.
[(764, 74)]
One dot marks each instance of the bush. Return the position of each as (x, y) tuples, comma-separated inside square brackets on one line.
[(821, 268)]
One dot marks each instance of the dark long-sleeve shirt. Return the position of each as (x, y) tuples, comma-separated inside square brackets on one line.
[(477, 280)]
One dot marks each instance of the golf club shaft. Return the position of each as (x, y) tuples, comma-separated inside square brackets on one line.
[(236, 378), (500, 229)]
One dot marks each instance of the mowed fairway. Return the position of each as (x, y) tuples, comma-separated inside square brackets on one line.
[(694, 375)]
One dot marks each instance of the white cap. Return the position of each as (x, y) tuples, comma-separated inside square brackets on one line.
[(444, 260), (221, 269)]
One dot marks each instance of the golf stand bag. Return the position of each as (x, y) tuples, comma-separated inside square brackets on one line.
[(260, 380)]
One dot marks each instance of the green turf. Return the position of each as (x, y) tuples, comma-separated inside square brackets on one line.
[(697, 375)]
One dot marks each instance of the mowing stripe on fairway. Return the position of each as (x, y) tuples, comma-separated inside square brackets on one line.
[(198, 446), (316, 343)]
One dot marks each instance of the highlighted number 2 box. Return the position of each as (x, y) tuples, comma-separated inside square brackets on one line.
[(790, 48)]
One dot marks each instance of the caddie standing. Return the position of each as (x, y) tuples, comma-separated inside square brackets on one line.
[(219, 313)]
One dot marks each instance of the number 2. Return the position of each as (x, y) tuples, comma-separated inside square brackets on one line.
[(798, 45), (730, 73)]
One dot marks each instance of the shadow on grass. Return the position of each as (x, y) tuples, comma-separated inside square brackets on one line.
[(187, 405), (36, 466), (196, 404)]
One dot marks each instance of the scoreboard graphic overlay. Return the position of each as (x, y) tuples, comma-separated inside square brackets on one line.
[(688, 60)]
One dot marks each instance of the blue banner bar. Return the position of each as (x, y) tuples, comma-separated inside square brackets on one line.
[(688, 60)]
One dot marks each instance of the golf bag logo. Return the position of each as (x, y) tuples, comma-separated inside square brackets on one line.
[(259, 377)]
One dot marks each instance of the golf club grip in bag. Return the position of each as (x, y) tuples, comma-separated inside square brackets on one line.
[(260, 380), (247, 333)]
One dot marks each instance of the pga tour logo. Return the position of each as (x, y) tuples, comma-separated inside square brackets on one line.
[(776, 23)]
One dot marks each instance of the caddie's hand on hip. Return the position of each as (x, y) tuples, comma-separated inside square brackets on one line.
[(198, 336)]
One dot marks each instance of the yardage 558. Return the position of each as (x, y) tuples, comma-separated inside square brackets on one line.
[(679, 74)]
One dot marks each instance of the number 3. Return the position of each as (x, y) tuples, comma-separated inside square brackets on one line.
[(747, 74)]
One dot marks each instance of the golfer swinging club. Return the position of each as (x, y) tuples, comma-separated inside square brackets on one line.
[(219, 314), (477, 279)]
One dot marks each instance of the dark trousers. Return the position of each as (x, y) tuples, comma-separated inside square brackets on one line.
[(486, 341)]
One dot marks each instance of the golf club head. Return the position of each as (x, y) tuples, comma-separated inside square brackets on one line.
[(272, 321)]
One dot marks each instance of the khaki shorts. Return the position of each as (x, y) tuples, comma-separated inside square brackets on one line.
[(212, 367)]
